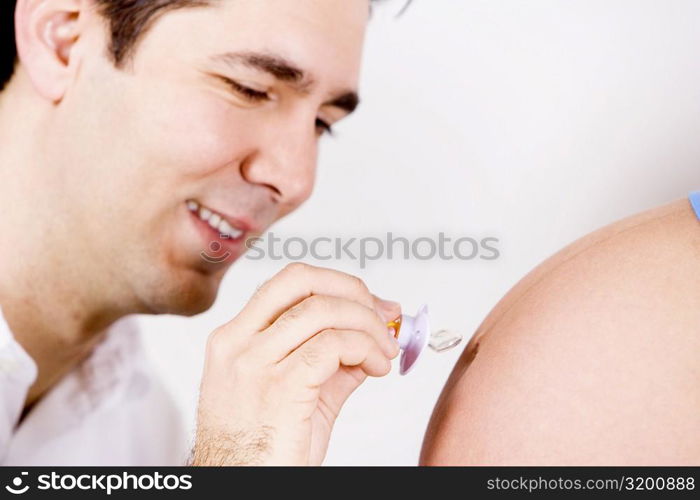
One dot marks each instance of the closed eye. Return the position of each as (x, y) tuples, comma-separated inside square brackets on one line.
[(247, 93), (257, 96)]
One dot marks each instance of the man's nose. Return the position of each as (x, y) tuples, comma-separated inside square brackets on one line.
[(284, 161)]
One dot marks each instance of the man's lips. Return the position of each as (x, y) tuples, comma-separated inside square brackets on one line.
[(226, 226)]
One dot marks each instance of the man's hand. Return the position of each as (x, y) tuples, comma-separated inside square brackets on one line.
[(276, 376)]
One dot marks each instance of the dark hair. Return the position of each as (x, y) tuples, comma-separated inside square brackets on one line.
[(128, 21), (8, 51)]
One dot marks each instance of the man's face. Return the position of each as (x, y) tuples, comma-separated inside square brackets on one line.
[(207, 117)]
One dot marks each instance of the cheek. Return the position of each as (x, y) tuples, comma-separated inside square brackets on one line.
[(145, 148), (188, 132)]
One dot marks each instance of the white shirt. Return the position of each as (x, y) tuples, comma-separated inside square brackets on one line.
[(110, 410)]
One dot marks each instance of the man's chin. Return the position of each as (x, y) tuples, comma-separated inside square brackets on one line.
[(186, 297)]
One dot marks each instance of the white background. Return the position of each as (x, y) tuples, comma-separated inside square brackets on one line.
[(531, 121)]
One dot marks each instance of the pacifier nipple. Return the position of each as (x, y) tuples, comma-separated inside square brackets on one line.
[(444, 340)]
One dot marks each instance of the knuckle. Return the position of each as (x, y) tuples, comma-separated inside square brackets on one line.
[(217, 342), (328, 336), (359, 284), (293, 271), (323, 343), (317, 304), (309, 357), (292, 315), (296, 269)]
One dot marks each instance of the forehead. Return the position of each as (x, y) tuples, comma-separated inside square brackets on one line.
[(323, 37)]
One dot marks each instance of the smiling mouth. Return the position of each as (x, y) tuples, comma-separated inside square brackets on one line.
[(218, 222)]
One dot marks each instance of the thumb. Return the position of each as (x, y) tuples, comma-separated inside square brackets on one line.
[(339, 387)]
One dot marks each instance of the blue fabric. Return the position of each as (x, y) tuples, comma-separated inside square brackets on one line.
[(695, 202)]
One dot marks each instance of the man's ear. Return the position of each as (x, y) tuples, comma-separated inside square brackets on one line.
[(47, 32)]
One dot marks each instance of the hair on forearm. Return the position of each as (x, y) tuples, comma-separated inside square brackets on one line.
[(218, 448)]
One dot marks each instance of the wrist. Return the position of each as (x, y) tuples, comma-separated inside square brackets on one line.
[(232, 448)]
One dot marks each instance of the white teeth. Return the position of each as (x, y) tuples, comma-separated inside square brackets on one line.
[(216, 221), (225, 228), (229, 231), (204, 214)]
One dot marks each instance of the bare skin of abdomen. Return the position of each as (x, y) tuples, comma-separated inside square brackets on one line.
[(592, 359)]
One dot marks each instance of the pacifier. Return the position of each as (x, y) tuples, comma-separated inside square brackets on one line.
[(413, 334)]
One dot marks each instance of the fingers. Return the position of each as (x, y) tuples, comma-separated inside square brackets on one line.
[(317, 313), (338, 388), (295, 283), (321, 357)]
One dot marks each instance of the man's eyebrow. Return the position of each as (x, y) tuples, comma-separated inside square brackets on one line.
[(275, 65), (286, 71)]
